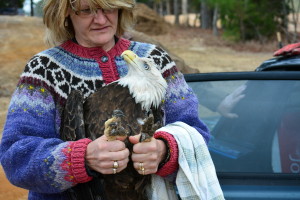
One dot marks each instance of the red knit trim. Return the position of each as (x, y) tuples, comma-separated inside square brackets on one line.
[(75, 162), (118, 49), (170, 72), (109, 68), (172, 165)]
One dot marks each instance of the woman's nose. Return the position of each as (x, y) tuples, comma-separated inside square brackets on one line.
[(100, 17)]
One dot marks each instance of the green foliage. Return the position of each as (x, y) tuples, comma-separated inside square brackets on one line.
[(250, 19), (147, 2), (11, 3), (232, 34), (142, 1)]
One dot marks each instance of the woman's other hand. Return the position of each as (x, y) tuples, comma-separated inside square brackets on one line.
[(102, 154), (146, 156)]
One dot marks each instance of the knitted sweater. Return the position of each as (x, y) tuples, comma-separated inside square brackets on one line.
[(32, 153)]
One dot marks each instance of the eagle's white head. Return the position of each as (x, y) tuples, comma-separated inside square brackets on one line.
[(144, 80)]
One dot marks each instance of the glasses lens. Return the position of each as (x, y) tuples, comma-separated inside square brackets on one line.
[(87, 12), (108, 11)]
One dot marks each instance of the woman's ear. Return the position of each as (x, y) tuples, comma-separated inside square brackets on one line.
[(68, 17), (66, 22)]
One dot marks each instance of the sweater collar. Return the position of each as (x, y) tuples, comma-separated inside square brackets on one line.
[(71, 46)]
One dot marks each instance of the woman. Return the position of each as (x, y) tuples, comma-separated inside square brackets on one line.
[(88, 44)]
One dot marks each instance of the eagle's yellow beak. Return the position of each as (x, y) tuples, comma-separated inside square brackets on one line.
[(128, 56)]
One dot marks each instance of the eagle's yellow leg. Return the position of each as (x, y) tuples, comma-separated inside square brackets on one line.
[(109, 125), (147, 129)]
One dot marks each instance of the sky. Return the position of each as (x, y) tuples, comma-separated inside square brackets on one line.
[(26, 6)]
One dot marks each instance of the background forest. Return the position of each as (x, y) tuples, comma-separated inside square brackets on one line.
[(235, 20)]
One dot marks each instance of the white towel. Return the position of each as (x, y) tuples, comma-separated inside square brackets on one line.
[(196, 177)]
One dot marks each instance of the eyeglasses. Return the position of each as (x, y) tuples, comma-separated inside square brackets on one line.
[(87, 12)]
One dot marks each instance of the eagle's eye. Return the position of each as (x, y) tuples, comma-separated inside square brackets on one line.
[(146, 66)]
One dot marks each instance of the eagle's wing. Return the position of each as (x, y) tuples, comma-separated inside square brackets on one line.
[(72, 127), (99, 107)]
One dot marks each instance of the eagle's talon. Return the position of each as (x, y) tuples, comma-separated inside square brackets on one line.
[(113, 126), (145, 137), (147, 131)]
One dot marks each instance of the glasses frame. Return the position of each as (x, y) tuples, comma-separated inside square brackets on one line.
[(88, 12)]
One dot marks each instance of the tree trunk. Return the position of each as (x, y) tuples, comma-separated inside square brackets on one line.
[(168, 7), (176, 12), (284, 23), (205, 15), (155, 6), (185, 13), (215, 21), (161, 8), (295, 20), (31, 8)]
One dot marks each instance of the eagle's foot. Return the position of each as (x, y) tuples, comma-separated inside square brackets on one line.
[(113, 126), (147, 131)]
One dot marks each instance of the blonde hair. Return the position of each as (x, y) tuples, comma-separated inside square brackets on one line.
[(56, 17)]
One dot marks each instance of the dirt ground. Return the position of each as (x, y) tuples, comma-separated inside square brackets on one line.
[(22, 37)]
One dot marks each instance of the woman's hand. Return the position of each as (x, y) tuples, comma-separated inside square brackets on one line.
[(147, 155), (102, 154)]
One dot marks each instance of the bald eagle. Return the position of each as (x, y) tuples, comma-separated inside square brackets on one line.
[(128, 106)]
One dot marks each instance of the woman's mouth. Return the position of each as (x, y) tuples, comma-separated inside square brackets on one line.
[(100, 29)]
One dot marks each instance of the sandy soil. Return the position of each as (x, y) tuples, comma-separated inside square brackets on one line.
[(203, 51), (9, 192), (22, 37)]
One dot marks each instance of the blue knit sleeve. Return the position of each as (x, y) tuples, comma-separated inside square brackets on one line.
[(181, 104), (31, 153)]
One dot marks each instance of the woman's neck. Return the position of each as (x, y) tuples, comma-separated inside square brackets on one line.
[(108, 46), (75, 48)]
